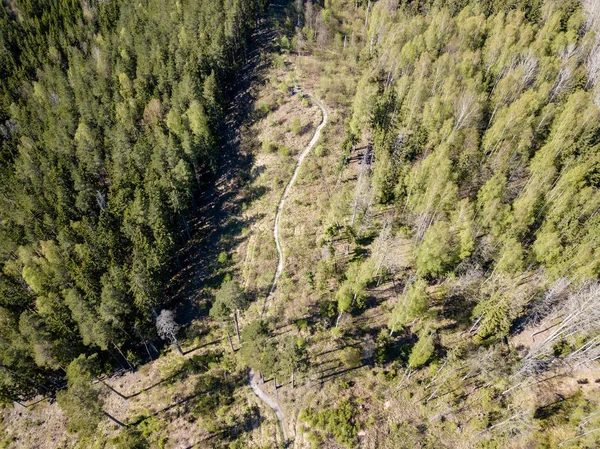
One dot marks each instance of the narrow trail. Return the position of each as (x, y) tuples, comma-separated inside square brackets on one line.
[(304, 153), (271, 403), (252, 378)]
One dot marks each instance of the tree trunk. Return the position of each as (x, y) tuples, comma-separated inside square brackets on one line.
[(187, 228), (337, 322), (147, 350), (229, 339), (237, 326), (123, 355), (153, 347), (143, 341), (379, 268), (292, 379), (176, 344)]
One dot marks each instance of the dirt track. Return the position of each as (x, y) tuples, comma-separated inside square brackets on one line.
[(252, 376)]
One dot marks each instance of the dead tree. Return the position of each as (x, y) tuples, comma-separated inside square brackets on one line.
[(575, 317), (363, 195), (166, 328)]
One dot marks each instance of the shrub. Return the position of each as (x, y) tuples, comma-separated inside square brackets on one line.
[(296, 126), (213, 392), (320, 151), (269, 146), (338, 421), (130, 438), (350, 357), (223, 257), (327, 309), (422, 351), (284, 151), (382, 347), (284, 87), (81, 402), (278, 61)]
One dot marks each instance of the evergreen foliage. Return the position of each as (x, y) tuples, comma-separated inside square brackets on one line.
[(110, 115), (81, 401)]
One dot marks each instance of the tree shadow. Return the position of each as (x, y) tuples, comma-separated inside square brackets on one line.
[(358, 254), (49, 397), (366, 240), (336, 365), (210, 343), (251, 420), (307, 127), (360, 318), (143, 390), (257, 170), (459, 309), (372, 331), (327, 352), (217, 390), (166, 409), (216, 227), (337, 374), (278, 332)]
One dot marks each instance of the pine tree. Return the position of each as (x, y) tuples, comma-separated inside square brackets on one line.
[(81, 402), (422, 350), (410, 307)]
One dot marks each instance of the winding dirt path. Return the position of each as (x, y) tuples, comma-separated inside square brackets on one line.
[(272, 403), (304, 153), (252, 378)]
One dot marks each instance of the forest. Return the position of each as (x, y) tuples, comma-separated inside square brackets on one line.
[(440, 248), (110, 118)]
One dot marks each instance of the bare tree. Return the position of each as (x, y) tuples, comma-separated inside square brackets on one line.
[(101, 200), (577, 316), (309, 15), (322, 32), (557, 293), (529, 67), (565, 74), (363, 195), (465, 110), (593, 64), (592, 10), (167, 328), (298, 4)]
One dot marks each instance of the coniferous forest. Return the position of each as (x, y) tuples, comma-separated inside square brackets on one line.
[(110, 118), (430, 171)]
